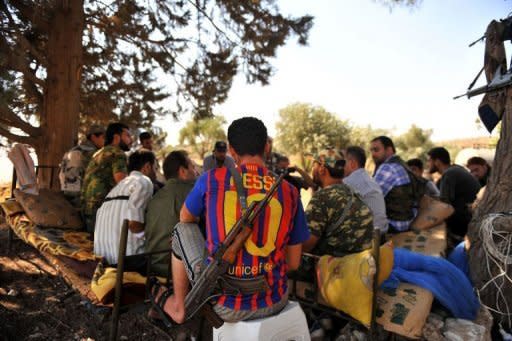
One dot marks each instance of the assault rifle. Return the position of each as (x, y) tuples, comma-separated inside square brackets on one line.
[(498, 82), (201, 292)]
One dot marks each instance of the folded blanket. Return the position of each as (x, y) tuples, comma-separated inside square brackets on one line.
[(448, 284)]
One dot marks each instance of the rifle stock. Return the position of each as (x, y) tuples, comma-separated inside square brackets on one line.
[(237, 245), (225, 255)]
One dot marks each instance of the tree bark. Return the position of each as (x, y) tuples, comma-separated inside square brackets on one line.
[(61, 105), (497, 198)]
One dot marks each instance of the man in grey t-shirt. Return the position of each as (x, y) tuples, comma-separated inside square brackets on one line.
[(218, 158), (360, 181)]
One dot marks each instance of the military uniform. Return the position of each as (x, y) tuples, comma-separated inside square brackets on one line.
[(99, 180), (354, 234), (72, 169)]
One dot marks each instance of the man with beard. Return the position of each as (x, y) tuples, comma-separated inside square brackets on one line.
[(458, 188), (393, 177), (480, 169), (107, 167), (218, 158), (339, 221)]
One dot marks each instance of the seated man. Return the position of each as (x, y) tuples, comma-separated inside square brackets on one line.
[(75, 161), (164, 208), (274, 247), (358, 179), (416, 166), (106, 168), (392, 175), (127, 200), (218, 158), (458, 188), (339, 220), (480, 169), (300, 182)]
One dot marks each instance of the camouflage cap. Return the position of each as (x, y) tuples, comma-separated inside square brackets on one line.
[(334, 163), (95, 129)]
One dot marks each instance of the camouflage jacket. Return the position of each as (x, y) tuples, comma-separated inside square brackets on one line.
[(354, 234), (73, 165), (99, 177)]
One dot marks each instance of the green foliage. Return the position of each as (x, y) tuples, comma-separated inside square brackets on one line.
[(362, 135), (414, 143), (140, 56), (304, 128), (200, 135)]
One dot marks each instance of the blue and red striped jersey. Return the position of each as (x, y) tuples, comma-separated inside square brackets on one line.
[(282, 223)]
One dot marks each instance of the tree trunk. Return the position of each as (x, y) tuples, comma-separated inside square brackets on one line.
[(497, 198), (61, 108)]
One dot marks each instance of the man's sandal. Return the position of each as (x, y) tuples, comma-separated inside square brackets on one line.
[(159, 303)]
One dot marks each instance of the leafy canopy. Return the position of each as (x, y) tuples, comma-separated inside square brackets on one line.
[(143, 59), (202, 134)]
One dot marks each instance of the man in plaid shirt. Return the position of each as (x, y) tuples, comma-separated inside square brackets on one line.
[(393, 179)]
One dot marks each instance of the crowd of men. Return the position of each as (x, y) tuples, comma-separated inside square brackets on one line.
[(192, 213)]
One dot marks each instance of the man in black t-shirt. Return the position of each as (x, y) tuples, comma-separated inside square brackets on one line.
[(458, 188)]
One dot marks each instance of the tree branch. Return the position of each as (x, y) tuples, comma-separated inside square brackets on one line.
[(17, 138), (31, 15), (12, 119), (25, 44)]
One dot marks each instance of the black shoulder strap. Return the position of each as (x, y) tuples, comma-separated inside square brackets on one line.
[(344, 214), (239, 188)]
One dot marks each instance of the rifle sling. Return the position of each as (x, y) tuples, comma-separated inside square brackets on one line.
[(237, 285), (239, 188), (343, 216)]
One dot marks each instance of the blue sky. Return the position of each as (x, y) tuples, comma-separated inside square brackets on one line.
[(374, 66)]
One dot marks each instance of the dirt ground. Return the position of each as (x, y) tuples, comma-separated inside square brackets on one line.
[(37, 304)]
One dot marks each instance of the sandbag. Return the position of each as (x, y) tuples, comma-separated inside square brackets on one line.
[(431, 242), (431, 212), (346, 283), (49, 209), (404, 310)]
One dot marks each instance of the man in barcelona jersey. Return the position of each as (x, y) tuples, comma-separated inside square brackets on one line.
[(259, 271)]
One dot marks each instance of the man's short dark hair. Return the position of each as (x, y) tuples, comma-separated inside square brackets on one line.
[(441, 154), (415, 163), (477, 160), (248, 136), (386, 142), (113, 129), (357, 153), (139, 158), (144, 136), (172, 163), (337, 170)]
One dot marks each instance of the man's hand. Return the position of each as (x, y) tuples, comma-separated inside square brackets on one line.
[(308, 181), (135, 226)]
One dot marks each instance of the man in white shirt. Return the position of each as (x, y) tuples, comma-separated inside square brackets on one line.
[(360, 181), (127, 200)]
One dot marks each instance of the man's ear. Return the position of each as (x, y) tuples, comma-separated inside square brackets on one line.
[(268, 147), (233, 153)]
